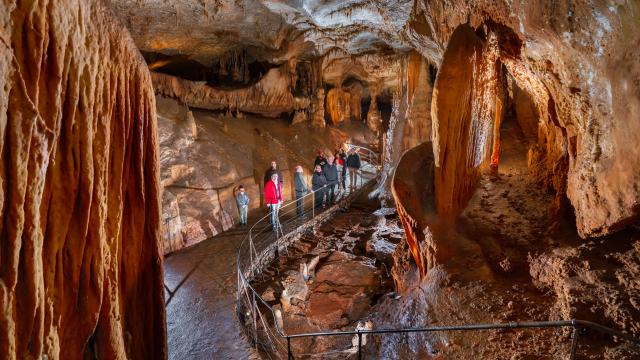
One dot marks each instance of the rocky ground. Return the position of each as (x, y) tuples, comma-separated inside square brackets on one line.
[(539, 270), (333, 279)]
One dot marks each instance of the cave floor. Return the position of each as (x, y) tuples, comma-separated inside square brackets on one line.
[(201, 317)]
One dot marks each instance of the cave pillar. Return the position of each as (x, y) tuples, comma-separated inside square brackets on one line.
[(318, 109), (374, 120), (339, 105), (418, 129), (80, 251), (463, 117)]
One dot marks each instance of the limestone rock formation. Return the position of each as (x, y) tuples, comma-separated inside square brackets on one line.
[(574, 62), (462, 124), (414, 195), (271, 96), (338, 105), (80, 255), (317, 119), (418, 129)]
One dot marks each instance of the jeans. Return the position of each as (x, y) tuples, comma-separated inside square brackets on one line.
[(353, 177), (299, 204), (331, 193), (243, 213), (275, 209)]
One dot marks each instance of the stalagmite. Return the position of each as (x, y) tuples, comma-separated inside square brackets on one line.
[(338, 105), (192, 124), (81, 256), (462, 118), (374, 120), (318, 109)]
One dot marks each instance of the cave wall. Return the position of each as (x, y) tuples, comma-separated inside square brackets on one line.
[(576, 62), (81, 256), (200, 175)]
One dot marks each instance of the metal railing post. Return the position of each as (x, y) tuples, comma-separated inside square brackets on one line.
[(289, 353), (359, 344), (313, 211), (574, 341)]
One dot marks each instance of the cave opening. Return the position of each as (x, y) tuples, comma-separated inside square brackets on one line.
[(233, 70)]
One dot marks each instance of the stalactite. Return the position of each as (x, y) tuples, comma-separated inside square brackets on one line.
[(270, 96), (81, 255)]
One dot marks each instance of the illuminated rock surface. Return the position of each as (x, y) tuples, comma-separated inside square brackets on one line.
[(81, 256)]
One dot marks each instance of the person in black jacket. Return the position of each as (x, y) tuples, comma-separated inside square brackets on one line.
[(353, 164), (301, 189), (331, 174), (341, 159), (318, 181), (273, 170), (320, 159)]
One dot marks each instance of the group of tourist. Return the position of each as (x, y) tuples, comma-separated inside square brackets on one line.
[(330, 174), (327, 183)]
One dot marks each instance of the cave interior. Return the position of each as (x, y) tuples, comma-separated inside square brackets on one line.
[(506, 185)]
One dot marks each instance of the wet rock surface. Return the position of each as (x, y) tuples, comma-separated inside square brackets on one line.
[(80, 248), (529, 265), (345, 280)]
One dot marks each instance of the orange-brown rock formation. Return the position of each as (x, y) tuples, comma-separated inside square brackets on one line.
[(271, 96), (413, 192), (338, 105), (463, 122), (80, 252)]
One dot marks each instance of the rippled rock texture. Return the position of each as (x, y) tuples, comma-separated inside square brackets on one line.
[(80, 255)]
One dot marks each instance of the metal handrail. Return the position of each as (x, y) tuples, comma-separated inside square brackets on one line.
[(245, 290), (257, 232)]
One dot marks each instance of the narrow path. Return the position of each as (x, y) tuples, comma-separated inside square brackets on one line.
[(200, 291), (201, 318)]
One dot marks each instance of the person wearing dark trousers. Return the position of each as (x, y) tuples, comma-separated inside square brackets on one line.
[(318, 181), (353, 165), (331, 174), (300, 187), (273, 170), (341, 159)]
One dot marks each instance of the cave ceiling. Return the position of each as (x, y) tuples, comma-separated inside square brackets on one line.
[(356, 38)]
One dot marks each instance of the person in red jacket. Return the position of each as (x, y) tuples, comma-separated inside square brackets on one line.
[(273, 198)]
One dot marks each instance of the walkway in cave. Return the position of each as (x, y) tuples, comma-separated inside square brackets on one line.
[(200, 291), (201, 318)]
